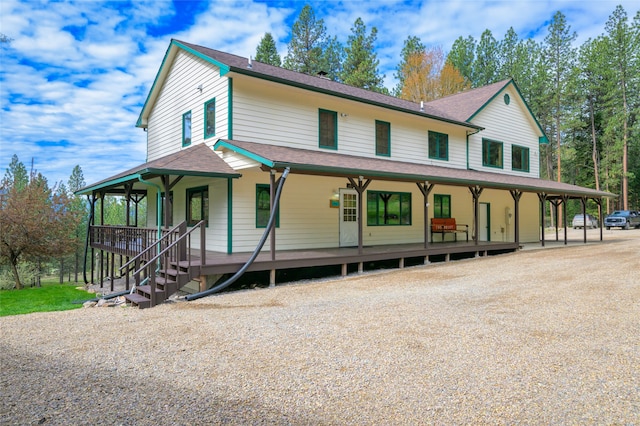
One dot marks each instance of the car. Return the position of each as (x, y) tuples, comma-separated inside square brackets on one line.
[(624, 219), (578, 221)]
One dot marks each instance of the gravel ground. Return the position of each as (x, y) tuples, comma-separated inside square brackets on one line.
[(537, 337)]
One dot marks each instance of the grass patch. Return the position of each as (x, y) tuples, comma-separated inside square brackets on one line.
[(50, 297)]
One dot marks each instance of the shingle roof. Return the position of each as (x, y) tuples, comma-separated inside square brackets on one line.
[(257, 69), (333, 164), (197, 160), (462, 106)]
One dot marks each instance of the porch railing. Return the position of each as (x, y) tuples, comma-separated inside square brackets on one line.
[(126, 240)]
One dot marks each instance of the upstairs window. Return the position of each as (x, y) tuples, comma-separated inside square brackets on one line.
[(186, 128), (388, 208), (328, 125), (519, 158), (438, 146), (492, 153), (197, 205), (263, 206), (441, 206), (383, 138), (210, 118)]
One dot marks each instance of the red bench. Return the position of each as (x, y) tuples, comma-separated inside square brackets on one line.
[(447, 225)]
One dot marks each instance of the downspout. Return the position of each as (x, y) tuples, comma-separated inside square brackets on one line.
[(86, 241), (256, 251), (470, 134)]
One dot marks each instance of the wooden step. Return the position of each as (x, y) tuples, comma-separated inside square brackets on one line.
[(138, 300), (145, 290), (168, 285)]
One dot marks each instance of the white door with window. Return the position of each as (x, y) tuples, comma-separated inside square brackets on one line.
[(484, 223), (348, 217)]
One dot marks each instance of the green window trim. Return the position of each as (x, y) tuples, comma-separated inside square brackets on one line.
[(438, 146), (388, 208), (327, 129), (519, 158), (492, 153), (383, 138), (210, 118), (197, 205), (263, 206), (441, 206), (186, 128)]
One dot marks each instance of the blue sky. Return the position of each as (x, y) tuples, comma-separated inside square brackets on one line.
[(76, 73)]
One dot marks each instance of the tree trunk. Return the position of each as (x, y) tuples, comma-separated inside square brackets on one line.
[(594, 153), (14, 270)]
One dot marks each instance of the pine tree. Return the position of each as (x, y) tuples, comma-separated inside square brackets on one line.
[(487, 64), (16, 175), (462, 56), (306, 47), (267, 52), (360, 68)]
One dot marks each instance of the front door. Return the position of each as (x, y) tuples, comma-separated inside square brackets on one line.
[(348, 217), (485, 223)]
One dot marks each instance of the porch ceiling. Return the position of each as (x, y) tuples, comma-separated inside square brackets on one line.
[(332, 164), (197, 160)]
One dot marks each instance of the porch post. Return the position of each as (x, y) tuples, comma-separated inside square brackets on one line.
[(583, 201), (516, 194), (426, 190), (127, 194), (272, 194), (543, 198), (102, 242), (360, 188), (475, 193), (93, 222), (565, 198), (600, 220), (167, 207)]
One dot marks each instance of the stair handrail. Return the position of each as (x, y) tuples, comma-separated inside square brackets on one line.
[(152, 246), (173, 244)]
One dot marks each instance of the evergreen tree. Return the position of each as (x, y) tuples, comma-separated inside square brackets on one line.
[(267, 52), (360, 68), (462, 56), (487, 63), (332, 58), (306, 47), (16, 175)]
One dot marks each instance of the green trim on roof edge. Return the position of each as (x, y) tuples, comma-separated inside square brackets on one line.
[(224, 144)]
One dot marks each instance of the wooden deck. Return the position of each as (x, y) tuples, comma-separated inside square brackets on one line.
[(221, 263)]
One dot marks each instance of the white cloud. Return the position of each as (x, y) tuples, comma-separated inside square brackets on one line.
[(74, 79)]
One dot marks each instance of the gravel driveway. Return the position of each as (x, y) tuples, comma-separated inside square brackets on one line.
[(537, 337)]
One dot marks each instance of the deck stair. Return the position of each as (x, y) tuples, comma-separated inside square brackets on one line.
[(178, 267)]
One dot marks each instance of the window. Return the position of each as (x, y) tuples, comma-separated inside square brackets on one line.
[(491, 153), (210, 118), (197, 205), (438, 146), (263, 206), (441, 206), (383, 138), (186, 129), (388, 208), (519, 158), (328, 122), (162, 208)]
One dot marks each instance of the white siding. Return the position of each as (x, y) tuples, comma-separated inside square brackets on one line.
[(178, 95), (280, 115), (510, 124)]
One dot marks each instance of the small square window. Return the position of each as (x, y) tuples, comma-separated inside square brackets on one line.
[(519, 158), (441, 206), (492, 155), (438, 146)]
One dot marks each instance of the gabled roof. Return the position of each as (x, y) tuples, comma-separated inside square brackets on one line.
[(465, 106), (332, 164), (197, 160), (229, 63)]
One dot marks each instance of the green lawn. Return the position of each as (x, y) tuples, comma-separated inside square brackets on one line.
[(49, 297)]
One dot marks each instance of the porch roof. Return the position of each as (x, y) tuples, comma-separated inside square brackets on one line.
[(197, 160), (332, 164)]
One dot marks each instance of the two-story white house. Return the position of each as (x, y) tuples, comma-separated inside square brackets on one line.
[(367, 174)]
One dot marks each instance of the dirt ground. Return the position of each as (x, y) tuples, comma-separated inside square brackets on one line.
[(542, 336)]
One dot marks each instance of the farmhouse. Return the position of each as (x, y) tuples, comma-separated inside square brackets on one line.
[(345, 176)]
